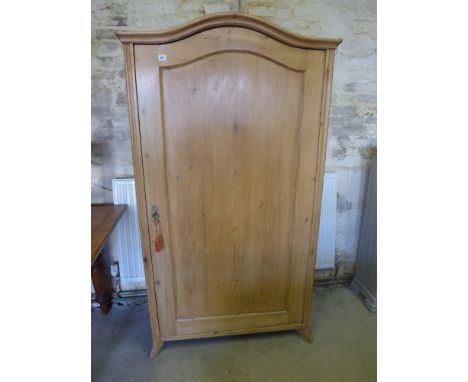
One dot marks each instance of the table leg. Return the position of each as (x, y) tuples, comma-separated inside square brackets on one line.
[(102, 282)]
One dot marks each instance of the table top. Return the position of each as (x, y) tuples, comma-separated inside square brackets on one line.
[(104, 217)]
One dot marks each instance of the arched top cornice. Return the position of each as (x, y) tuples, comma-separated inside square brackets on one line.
[(228, 19)]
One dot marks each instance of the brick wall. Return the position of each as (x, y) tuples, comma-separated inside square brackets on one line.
[(353, 112)]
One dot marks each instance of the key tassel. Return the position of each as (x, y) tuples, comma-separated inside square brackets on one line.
[(158, 241)]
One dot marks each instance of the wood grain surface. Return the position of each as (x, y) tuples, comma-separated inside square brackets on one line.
[(229, 122), (103, 220)]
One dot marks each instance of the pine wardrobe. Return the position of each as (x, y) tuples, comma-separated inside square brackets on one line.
[(228, 118)]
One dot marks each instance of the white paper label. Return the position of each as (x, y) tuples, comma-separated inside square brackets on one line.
[(162, 57)]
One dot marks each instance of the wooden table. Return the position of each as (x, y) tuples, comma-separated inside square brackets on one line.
[(104, 218)]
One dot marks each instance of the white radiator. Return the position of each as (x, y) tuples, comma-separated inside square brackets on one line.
[(327, 229), (125, 244)]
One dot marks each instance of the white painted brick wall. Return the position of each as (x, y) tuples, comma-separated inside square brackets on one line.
[(353, 112)]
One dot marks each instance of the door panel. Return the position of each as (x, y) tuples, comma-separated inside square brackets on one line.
[(231, 165), (229, 148)]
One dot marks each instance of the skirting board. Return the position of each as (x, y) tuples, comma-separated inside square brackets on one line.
[(369, 300)]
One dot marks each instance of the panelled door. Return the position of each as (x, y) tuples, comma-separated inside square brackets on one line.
[(229, 127)]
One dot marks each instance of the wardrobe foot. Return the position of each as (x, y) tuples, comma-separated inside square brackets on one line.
[(306, 334), (156, 348)]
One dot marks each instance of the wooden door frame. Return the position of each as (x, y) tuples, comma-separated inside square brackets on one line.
[(230, 19)]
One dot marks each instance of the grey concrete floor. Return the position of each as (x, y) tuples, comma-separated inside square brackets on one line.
[(344, 348)]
